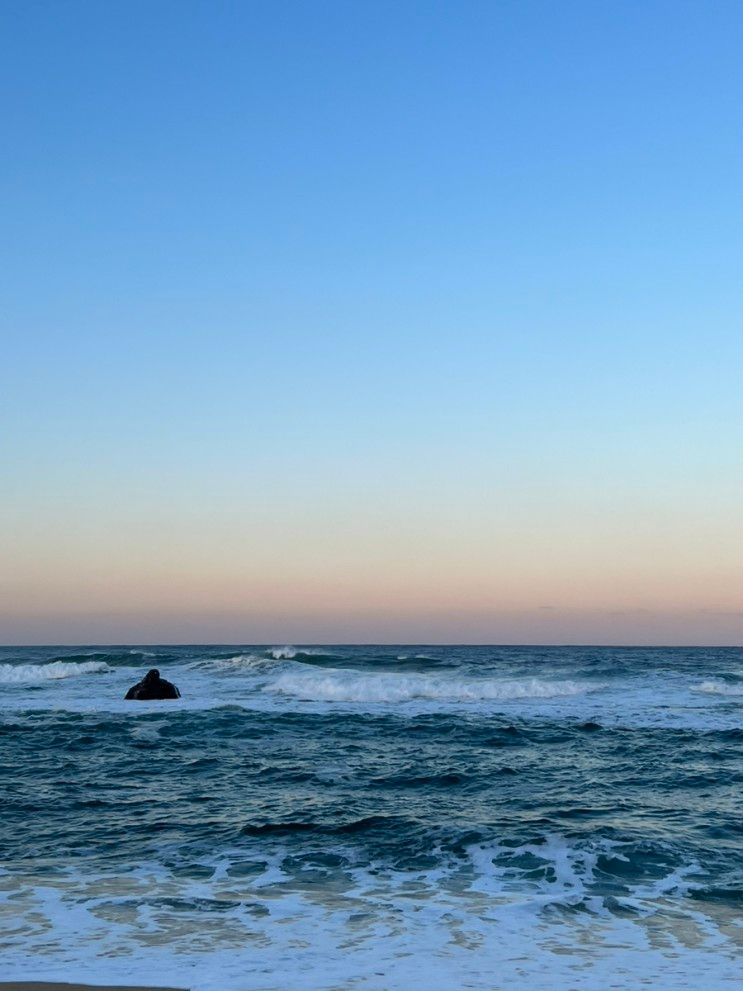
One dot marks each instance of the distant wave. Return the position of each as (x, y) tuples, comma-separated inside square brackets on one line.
[(283, 653), (303, 654), (719, 688), (124, 658), (239, 662), (350, 687), (12, 674), (245, 662)]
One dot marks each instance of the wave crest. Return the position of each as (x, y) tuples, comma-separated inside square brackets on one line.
[(19, 674), (283, 653), (348, 687), (303, 655), (240, 662)]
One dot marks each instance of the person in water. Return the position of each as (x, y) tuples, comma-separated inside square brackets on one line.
[(152, 686)]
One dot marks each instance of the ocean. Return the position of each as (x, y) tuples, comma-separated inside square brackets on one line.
[(381, 818)]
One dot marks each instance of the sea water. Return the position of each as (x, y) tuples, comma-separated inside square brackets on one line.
[(373, 817)]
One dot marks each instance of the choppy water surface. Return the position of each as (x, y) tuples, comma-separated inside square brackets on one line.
[(373, 817)]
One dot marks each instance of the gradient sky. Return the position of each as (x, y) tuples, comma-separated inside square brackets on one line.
[(371, 321)]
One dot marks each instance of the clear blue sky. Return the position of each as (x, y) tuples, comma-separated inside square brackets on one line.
[(372, 321)]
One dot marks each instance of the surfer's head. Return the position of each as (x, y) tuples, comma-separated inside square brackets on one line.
[(152, 675)]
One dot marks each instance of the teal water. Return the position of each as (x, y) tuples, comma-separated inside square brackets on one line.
[(370, 816)]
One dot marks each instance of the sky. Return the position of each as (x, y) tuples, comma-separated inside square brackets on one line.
[(371, 321)]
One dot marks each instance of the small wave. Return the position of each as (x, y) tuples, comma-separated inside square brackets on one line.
[(343, 686), (719, 688), (12, 674)]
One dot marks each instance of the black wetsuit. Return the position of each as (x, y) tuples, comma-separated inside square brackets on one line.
[(152, 686)]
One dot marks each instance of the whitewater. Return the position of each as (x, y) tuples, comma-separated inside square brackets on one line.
[(326, 817)]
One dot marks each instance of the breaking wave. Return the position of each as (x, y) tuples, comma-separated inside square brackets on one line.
[(342, 686), (719, 688), (255, 661), (283, 653), (240, 662), (302, 654), (12, 674)]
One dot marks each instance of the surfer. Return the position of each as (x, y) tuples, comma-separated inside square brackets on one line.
[(152, 686)]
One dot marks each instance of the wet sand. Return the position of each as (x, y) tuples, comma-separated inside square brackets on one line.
[(47, 986)]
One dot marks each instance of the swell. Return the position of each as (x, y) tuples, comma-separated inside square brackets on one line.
[(352, 826)]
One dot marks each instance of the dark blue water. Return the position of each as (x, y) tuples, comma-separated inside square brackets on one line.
[(433, 811)]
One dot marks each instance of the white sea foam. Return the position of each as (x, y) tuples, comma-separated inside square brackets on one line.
[(12, 674), (348, 686), (374, 930), (567, 870), (283, 653), (569, 874), (719, 688)]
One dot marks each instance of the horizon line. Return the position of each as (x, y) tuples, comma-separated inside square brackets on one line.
[(376, 643)]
